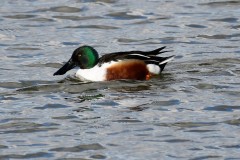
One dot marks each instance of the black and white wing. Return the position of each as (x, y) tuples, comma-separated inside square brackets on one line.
[(149, 57)]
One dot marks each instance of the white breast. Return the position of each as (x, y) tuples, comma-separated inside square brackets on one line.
[(94, 74)]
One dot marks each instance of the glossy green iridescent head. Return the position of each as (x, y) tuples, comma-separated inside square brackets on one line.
[(85, 57)]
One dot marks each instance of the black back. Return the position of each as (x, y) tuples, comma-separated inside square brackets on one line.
[(149, 57)]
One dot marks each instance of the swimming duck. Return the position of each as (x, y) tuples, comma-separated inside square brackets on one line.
[(136, 65)]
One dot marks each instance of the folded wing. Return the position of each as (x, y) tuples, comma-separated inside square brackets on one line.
[(149, 57)]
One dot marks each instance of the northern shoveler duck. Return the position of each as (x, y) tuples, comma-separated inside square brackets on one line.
[(136, 65)]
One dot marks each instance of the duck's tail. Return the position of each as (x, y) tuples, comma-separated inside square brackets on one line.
[(163, 63)]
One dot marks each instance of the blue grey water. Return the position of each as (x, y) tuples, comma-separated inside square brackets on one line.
[(191, 111)]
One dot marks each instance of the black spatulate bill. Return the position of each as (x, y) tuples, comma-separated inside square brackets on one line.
[(66, 67)]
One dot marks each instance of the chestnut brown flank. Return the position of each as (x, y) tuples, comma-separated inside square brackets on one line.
[(130, 69)]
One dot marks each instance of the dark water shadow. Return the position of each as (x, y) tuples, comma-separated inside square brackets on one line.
[(78, 18), (222, 3), (27, 156), (185, 125), (235, 122), (60, 9), (124, 16), (24, 126), (79, 148), (226, 108), (73, 85)]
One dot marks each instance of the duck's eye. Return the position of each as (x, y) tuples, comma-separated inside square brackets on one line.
[(79, 57)]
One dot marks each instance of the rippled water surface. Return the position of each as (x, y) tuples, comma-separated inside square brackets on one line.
[(191, 111)]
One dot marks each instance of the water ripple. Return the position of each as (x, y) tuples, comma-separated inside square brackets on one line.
[(26, 156), (222, 4), (20, 16), (104, 27), (62, 9), (125, 16), (229, 20), (78, 18), (228, 108), (79, 148)]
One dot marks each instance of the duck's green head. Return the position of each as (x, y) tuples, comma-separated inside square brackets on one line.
[(85, 57)]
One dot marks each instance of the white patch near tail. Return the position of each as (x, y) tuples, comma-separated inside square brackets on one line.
[(154, 69)]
